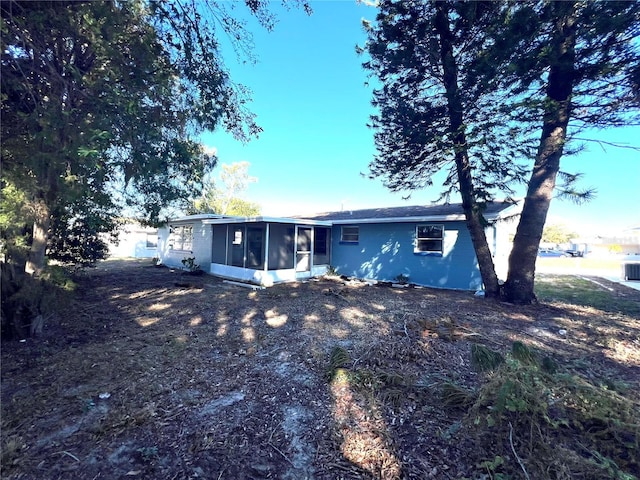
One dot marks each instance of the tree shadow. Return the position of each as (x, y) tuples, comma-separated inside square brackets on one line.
[(229, 381)]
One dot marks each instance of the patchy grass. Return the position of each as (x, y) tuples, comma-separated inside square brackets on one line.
[(153, 374), (587, 291), (578, 264)]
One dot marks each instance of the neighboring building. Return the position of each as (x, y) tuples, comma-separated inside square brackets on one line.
[(624, 242), (428, 244), (135, 240)]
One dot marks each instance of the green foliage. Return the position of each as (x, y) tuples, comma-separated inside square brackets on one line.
[(522, 353), (484, 91), (555, 233), (190, 264), (454, 395), (537, 411), (332, 271), (484, 359), (579, 291), (14, 219), (492, 467), (27, 301), (102, 104), (338, 359), (224, 197), (416, 132)]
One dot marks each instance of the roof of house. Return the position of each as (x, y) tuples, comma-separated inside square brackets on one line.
[(421, 213)]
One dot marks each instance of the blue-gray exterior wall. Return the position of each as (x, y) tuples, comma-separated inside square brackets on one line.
[(386, 250)]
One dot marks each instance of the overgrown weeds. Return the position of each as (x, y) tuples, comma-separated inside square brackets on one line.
[(388, 385), (542, 424)]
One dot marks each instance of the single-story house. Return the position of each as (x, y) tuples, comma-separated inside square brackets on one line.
[(429, 245), (134, 240), (261, 250)]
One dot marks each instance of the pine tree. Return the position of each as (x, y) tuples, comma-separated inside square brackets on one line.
[(467, 87), (433, 115)]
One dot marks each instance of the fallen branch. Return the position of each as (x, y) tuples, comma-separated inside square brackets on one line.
[(337, 293), (64, 452), (283, 455), (513, 449)]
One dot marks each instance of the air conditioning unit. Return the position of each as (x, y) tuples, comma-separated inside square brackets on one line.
[(631, 271)]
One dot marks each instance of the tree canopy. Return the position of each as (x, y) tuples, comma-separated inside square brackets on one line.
[(557, 233), (102, 103), (224, 196), (493, 93), (102, 106)]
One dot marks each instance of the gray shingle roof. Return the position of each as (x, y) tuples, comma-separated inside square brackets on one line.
[(492, 210)]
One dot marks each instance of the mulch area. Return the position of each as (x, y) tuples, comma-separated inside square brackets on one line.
[(150, 373)]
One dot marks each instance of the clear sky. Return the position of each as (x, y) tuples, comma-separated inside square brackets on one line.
[(310, 97)]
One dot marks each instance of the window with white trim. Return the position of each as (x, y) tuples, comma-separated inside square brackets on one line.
[(181, 238), (350, 234), (429, 239)]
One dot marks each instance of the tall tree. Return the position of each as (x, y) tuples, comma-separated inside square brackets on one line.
[(433, 114), (557, 233), (476, 80), (105, 97), (224, 196), (579, 64)]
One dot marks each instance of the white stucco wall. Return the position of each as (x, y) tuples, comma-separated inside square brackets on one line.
[(132, 242), (200, 249)]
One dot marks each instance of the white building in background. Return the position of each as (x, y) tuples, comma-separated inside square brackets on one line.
[(625, 242), (135, 240)]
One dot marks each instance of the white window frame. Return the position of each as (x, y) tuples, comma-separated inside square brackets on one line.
[(181, 238), (353, 237), (418, 249)]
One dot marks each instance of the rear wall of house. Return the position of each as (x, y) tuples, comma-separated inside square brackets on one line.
[(200, 248), (386, 250)]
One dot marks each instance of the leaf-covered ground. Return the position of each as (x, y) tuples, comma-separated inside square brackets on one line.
[(153, 374)]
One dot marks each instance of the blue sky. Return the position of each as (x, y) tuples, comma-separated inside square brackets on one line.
[(310, 98)]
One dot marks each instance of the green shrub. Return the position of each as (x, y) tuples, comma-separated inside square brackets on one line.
[(484, 359), (190, 264)]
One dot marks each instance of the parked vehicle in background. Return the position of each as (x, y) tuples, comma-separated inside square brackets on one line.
[(573, 253), (547, 252)]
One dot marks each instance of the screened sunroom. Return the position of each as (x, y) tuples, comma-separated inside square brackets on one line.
[(265, 250)]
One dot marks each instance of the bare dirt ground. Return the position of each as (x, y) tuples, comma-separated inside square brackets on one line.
[(154, 374)]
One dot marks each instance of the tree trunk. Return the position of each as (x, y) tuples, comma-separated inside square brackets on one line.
[(522, 260), (41, 223), (473, 214)]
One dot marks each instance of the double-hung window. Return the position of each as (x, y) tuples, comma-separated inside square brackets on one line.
[(350, 234), (181, 238), (429, 239)]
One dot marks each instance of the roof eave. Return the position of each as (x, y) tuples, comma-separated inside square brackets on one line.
[(296, 221)]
